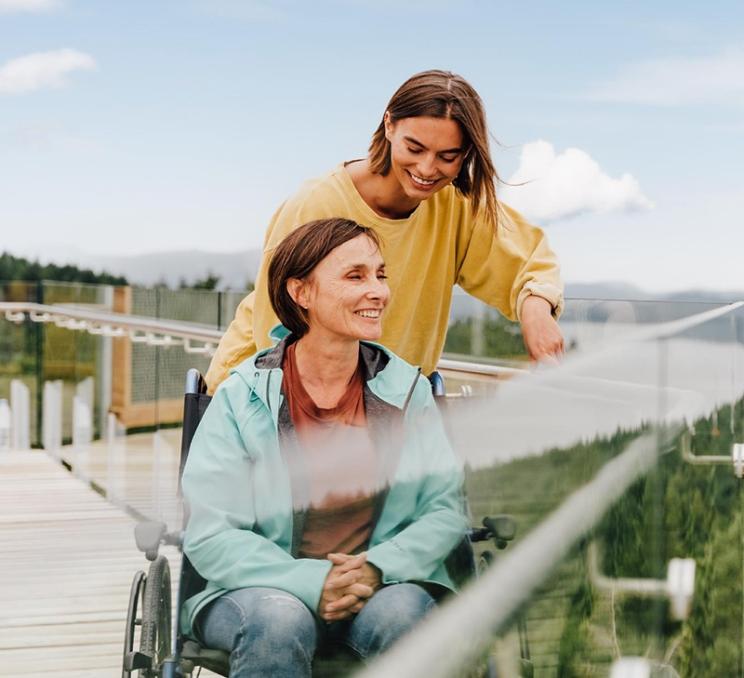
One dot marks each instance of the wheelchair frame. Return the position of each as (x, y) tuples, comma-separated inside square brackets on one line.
[(163, 651)]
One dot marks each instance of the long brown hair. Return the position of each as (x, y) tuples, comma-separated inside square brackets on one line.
[(442, 94), (297, 256)]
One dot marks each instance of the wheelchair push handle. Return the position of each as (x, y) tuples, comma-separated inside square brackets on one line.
[(150, 534), (501, 528)]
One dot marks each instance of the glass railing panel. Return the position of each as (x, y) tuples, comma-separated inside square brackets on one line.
[(479, 332), (77, 358), (20, 348), (624, 425), (592, 461)]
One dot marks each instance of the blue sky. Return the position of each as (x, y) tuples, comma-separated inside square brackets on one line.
[(133, 127)]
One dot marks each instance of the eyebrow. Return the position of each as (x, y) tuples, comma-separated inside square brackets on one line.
[(411, 140), (353, 267)]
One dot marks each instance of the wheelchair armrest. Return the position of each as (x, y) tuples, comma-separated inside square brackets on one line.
[(502, 529)]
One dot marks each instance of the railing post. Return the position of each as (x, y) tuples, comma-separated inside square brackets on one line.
[(114, 450), (51, 418), (5, 419), (20, 403), (104, 361), (39, 346), (82, 434), (478, 329), (84, 390)]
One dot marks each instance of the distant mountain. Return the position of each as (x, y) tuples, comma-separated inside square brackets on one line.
[(630, 292), (235, 269)]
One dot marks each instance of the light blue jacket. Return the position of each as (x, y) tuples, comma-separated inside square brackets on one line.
[(243, 529)]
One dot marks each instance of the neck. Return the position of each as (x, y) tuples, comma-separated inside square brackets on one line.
[(384, 194), (326, 361)]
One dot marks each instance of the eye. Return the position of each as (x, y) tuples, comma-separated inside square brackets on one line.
[(354, 276), (414, 151), (450, 158), (381, 276)]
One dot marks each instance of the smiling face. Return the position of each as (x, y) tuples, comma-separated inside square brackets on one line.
[(346, 292), (426, 153)]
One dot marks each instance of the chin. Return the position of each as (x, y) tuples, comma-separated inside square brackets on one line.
[(370, 335)]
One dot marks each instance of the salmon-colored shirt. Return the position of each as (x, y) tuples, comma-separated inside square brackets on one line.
[(340, 465)]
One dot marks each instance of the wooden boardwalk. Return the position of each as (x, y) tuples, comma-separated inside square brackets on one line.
[(67, 557)]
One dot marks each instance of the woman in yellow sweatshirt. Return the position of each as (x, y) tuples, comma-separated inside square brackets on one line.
[(427, 188)]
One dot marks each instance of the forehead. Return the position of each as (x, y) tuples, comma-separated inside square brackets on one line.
[(434, 133), (360, 250)]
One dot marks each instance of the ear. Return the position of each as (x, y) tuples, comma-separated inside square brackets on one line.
[(389, 125), (297, 289)]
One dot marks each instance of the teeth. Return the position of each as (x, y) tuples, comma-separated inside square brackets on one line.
[(423, 182), (369, 314)]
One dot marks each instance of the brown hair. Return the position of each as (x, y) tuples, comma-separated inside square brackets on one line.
[(442, 94), (298, 255)]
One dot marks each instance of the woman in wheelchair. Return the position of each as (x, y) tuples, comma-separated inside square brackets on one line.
[(323, 494)]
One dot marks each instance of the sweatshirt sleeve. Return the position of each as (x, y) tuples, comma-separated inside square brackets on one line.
[(220, 540), (433, 474), (504, 268), (249, 330)]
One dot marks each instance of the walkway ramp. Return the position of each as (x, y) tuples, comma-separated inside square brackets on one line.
[(67, 558)]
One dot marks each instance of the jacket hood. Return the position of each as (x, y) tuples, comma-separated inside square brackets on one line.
[(389, 377)]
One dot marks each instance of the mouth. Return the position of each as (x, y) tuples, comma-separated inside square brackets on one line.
[(422, 183), (373, 313)]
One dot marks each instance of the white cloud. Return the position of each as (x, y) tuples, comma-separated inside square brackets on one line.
[(557, 186), (718, 78), (42, 69), (7, 6)]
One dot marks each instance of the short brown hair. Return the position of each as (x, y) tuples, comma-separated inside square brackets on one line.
[(442, 94), (298, 255)]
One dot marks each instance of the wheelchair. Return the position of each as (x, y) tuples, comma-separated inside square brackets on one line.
[(163, 652)]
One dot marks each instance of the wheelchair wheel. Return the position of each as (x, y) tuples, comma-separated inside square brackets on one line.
[(155, 638), (135, 597)]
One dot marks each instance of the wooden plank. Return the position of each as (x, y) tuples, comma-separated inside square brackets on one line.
[(67, 559)]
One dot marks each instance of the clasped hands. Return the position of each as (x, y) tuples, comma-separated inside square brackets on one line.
[(347, 587)]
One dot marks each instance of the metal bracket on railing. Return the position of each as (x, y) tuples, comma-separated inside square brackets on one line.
[(72, 324), (152, 339), (205, 349), (165, 340), (138, 338), (736, 458), (678, 587), (15, 317), (40, 317), (108, 331), (631, 667), (466, 391)]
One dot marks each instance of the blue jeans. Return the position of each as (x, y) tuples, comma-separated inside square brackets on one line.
[(272, 633)]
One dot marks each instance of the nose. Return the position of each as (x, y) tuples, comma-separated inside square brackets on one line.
[(427, 167), (378, 290)]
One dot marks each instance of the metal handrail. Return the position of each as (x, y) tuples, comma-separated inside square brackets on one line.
[(111, 324), (155, 331), (135, 323)]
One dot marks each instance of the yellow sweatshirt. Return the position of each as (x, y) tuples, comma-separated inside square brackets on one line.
[(439, 245)]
